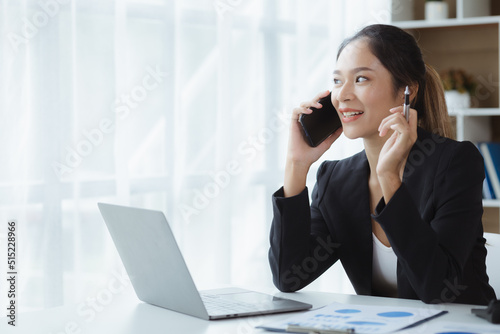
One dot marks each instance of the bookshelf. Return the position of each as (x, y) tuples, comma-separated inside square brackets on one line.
[(472, 44)]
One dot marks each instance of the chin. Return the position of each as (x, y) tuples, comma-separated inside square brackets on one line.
[(352, 133)]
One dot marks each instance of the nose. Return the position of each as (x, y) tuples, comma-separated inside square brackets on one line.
[(345, 93)]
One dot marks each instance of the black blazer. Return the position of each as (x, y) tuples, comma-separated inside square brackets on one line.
[(433, 223)]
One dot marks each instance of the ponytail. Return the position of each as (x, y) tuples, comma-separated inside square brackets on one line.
[(433, 113)]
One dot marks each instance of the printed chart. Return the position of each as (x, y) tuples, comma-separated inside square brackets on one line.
[(360, 318)]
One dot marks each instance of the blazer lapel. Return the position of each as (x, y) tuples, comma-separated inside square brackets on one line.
[(355, 225)]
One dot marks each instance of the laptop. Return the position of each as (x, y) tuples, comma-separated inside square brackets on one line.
[(160, 277)]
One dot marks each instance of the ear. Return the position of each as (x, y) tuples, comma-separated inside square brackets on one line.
[(413, 92)]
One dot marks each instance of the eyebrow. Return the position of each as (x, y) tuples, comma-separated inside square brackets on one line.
[(355, 70)]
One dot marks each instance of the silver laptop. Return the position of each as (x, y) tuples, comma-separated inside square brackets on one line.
[(160, 276)]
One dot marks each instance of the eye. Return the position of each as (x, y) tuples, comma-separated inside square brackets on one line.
[(361, 79), (337, 81)]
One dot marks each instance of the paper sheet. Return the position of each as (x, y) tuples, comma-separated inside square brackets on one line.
[(464, 329), (361, 318)]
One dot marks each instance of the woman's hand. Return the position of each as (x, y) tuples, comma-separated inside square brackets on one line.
[(396, 149), (299, 150), (300, 156)]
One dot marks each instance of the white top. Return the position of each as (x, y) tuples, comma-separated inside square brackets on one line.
[(385, 261)]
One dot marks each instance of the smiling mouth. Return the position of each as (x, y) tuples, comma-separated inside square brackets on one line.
[(348, 114)]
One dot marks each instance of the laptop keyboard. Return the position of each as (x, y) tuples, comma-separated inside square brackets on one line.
[(218, 306)]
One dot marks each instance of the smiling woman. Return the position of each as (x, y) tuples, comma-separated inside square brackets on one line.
[(424, 214)]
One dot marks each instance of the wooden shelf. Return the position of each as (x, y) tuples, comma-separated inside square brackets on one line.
[(491, 203), (457, 10), (475, 112), (473, 44), (448, 23)]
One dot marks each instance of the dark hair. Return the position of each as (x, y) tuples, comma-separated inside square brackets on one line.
[(400, 54)]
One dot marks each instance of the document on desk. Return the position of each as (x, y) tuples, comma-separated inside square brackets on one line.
[(464, 329), (350, 318)]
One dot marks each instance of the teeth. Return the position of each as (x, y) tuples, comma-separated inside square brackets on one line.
[(352, 113)]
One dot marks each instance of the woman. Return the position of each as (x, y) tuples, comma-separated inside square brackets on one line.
[(404, 215)]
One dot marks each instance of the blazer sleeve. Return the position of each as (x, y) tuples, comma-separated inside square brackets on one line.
[(301, 246), (433, 252)]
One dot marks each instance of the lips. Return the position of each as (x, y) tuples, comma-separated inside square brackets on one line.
[(350, 115)]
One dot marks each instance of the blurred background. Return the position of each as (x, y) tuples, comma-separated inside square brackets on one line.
[(178, 106)]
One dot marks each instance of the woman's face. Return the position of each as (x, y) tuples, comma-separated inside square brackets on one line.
[(362, 91)]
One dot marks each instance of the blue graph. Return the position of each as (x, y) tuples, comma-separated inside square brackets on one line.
[(366, 323), (395, 314)]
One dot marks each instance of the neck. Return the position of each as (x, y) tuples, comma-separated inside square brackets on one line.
[(373, 146)]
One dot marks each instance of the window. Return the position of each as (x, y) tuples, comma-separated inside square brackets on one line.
[(179, 106)]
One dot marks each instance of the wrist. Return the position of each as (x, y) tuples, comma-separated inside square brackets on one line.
[(297, 166), (389, 183), (295, 178)]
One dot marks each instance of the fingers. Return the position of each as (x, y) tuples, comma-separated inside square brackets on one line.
[(296, 112), (305, 107), (321, 95), (397, 122), (412, 120)]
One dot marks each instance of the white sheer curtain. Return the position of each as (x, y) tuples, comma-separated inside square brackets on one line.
[(179, 106)]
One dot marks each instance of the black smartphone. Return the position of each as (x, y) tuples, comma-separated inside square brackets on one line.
[(321, 123)]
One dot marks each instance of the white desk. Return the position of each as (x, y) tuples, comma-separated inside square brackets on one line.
[(124, 313)]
